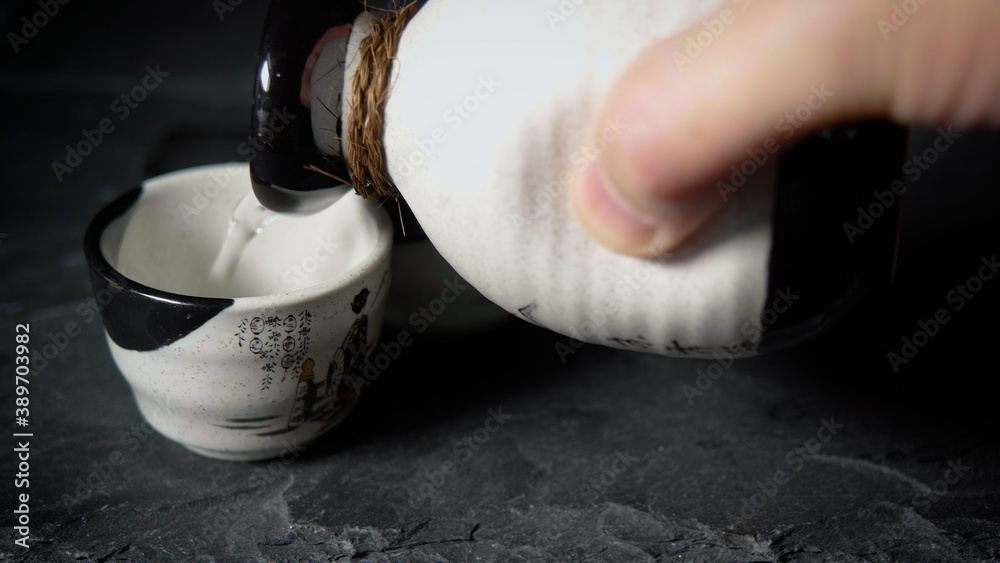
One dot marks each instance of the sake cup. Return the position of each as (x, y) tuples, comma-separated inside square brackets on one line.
[(266, 369)]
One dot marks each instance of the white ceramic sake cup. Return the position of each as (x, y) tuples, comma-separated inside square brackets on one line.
[(257, 373)]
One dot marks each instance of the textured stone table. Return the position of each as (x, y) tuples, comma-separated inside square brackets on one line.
[(817, 453)]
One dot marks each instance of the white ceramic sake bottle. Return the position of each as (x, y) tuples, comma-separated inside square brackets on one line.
[(489, 106)]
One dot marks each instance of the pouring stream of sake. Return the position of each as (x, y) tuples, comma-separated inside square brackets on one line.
[(248, 220)]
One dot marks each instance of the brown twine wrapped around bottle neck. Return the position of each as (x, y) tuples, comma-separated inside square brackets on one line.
[(369, 93)]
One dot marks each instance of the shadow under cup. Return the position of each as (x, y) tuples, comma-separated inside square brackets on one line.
[(267, 368)]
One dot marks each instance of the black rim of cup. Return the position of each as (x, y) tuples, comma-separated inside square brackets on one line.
[(136, 316)]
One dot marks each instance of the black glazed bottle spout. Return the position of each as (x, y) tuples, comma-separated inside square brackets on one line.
[(280, 126)]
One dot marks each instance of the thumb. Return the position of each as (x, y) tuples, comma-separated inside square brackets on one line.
[(703, 100)]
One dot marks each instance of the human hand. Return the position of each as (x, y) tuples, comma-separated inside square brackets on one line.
[(692, 114)]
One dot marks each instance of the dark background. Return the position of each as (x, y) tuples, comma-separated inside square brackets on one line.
[(528, 494)]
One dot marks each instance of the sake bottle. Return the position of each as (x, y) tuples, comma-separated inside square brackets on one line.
[(486, 116)]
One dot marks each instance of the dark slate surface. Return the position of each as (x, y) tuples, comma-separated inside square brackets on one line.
[(540, 488)]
